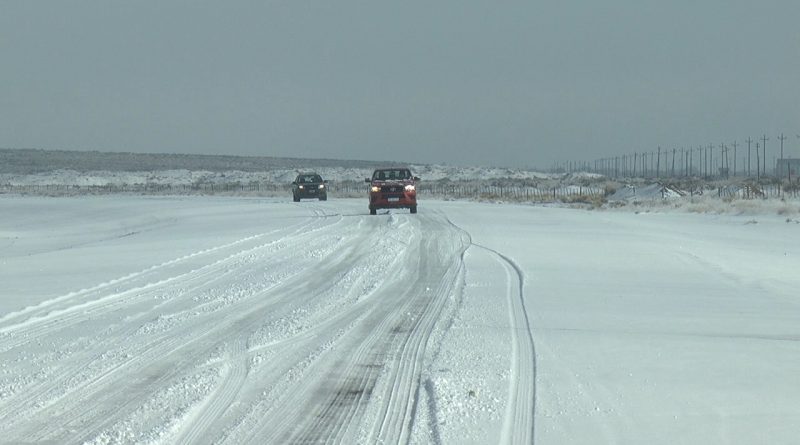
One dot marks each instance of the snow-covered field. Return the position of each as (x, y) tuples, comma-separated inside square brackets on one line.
[(275, 175), (130, 319)]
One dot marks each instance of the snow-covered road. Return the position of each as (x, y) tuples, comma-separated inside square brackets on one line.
[(235, 320)]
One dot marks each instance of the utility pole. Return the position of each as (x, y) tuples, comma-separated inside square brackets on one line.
[(711, 160), (641, 166), (726, 165), (700, 156), (758, 163), (627, 165), (673, 162), (687, 155), (703, 160), (734, 158), (658, 164), (727, 161), (652, 162), (749, 141), (683, 161), (783, 138), (764, 147)]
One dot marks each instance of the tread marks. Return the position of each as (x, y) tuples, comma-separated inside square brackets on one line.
[(518, 426), (287, 391), (438, 280), (222, 397), (96, 383), (519, 422), (71, 307), (353, 356)]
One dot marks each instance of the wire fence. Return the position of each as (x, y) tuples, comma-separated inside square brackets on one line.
[(747, 160), (345, 189), (761, 191), (539, 194), (142, 188), (749, 191), (359, 189)]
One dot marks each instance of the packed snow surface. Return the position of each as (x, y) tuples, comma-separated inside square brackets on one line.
[(241, 320)]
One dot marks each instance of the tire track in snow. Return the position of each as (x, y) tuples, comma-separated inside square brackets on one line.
[(295, 412), (218, 406), (144, 353), (103, 391), (440, 280), (48, 315), (353, 385), (222, 397), (234, 383), (518, 426), (156, 349), (519, 422), (380, 371), (346, 368), (96, 301)]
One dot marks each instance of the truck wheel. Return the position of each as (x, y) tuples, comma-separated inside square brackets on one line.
[(373, 211), (323, 199), (296, 199), (413, 209)]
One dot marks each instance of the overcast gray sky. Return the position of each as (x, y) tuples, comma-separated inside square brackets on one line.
[(509, 83)]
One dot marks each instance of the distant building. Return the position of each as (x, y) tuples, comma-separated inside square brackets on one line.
[(788, 167)]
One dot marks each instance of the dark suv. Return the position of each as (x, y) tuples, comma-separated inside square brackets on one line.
[(309, 185), (392, 188)]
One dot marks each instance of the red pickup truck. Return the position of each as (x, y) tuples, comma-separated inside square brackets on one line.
[(392, 188)]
